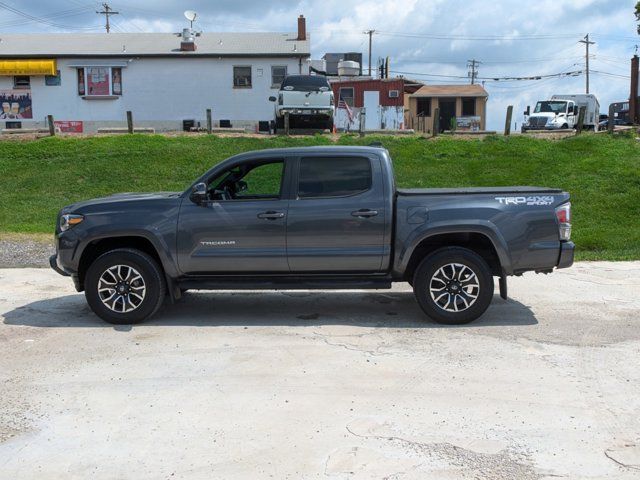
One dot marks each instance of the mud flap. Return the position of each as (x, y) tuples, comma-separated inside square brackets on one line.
[(503, 286)]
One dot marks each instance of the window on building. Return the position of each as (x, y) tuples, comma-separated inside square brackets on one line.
[(53, 80), (22, 82), (242, 77), (333, 177), (277, 76), (468, 107), (346, 95), (99, 81), (424, 107)]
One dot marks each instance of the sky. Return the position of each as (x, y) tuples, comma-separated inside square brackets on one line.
[(429, 40)]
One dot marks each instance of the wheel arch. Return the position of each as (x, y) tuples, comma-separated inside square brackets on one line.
[(475, 241), (98, 247)]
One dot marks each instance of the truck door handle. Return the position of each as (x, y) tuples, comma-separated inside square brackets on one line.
[(364, 213), (271, 215)]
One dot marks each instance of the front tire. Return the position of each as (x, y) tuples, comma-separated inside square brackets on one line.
[(453, 285), (124, 286)]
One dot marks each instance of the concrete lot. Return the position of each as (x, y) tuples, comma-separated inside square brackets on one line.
[(324, 384)]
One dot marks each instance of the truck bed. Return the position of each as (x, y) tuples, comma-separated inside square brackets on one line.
[(475, 190)]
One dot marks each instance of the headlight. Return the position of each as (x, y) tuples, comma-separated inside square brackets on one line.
[(69, 220)]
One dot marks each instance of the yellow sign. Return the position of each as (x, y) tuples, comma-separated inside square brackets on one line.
[(27, 67)]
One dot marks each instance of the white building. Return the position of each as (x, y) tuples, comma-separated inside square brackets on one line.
[(162, 78)]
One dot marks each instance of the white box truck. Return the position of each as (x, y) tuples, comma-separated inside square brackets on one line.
[(561, 112)]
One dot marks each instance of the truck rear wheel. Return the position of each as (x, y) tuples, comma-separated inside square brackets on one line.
[(124, 286), (453, 285)]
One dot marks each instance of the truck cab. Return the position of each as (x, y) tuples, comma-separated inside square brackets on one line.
[(552, 115)]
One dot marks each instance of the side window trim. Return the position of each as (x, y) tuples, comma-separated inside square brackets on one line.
[(295, 191)]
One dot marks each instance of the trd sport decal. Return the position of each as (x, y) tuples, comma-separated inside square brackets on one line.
[(544, 200)]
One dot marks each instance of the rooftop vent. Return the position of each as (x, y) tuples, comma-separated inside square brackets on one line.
[(188, 43)]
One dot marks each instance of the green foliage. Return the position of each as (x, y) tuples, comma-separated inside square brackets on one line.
[(601, 172)]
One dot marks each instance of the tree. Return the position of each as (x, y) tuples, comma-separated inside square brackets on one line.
[(637, 13)]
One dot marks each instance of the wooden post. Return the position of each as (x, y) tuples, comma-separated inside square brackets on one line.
[(581, 114), (209, 123), (436, 121), (286, 123), (611, 122), (52, 126), (507, 122), (363, 116), (130, 121)]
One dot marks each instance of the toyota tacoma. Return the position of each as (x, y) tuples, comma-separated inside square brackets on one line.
[(310, 218)]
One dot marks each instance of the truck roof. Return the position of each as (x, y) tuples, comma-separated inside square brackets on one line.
[(316, 149)]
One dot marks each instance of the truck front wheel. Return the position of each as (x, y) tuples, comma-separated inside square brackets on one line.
[(453, 285), (124, 286)]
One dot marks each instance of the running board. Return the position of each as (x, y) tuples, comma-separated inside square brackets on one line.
[(285, 283)]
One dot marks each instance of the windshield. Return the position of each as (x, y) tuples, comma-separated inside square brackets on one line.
[(552, 107), (305, 83)]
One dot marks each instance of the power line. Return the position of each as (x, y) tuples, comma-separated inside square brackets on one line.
[(44, 20), (496, 79)]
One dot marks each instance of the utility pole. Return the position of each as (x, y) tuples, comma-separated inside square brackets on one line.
[(472, 65), (108, 11), (586, 44), (370, 33)]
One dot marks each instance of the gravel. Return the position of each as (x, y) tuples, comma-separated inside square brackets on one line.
[(25, 252)]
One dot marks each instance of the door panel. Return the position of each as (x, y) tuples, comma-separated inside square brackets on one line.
[(371, 104), (233, 236), (341, 233)]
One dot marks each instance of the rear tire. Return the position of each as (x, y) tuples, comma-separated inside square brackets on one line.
[(124, 286), (453, 285)]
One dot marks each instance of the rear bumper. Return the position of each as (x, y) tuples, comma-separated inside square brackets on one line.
[(566, 254)]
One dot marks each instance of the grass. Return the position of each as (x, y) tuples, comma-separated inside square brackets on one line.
[(601, 172)]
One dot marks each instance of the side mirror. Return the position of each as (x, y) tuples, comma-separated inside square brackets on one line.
[(527, 112), (241, 186), (199, 193), (575, 110), (272, 98)]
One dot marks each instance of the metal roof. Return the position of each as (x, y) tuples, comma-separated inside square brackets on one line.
[(150, 44), (450, 91)]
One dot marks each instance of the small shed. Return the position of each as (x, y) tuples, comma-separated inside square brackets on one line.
[(461, 107), (382, 99)]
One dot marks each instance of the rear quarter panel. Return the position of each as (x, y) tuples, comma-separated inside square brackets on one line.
[(523, 232)]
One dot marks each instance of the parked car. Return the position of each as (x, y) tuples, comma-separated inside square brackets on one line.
[(309, 218), (308, 99), (560, 112), (604, 124)]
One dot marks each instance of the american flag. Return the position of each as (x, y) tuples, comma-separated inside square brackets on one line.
[(345, 105)]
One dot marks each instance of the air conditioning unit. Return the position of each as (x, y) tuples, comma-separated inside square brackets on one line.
[(394, 93)]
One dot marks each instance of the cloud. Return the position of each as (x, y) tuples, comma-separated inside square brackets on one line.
[(533, 38)]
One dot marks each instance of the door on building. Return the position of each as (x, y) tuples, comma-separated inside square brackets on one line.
[(372, 106), (447, 112)]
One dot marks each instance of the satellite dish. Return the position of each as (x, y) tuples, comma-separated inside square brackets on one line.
[(190, 15)]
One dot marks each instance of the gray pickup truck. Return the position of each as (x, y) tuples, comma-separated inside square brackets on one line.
[(310, 218)]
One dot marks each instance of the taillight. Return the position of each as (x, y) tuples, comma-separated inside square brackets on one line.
[(563, 214)]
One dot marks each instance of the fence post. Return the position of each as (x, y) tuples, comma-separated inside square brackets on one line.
[(52, 126), (436, 121), (507, 122), (580, 120), (209, 123), (286, 123), (611, 122), (129, 121), (363, 116)]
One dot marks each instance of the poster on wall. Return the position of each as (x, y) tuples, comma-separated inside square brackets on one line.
[(68, 126), (470, 123), (16, 104)]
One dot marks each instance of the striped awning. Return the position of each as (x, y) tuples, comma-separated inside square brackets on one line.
[(27, 67)]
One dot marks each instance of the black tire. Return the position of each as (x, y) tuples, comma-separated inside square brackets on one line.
[(425, 278), (565, 126), (153, 283)]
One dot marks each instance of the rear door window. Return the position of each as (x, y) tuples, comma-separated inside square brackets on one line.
[(333, 176)]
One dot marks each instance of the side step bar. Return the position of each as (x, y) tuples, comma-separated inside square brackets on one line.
[(284, 283)]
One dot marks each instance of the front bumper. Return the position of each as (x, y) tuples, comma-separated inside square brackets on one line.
[(327, 112), (53, 262), (566, 254)]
